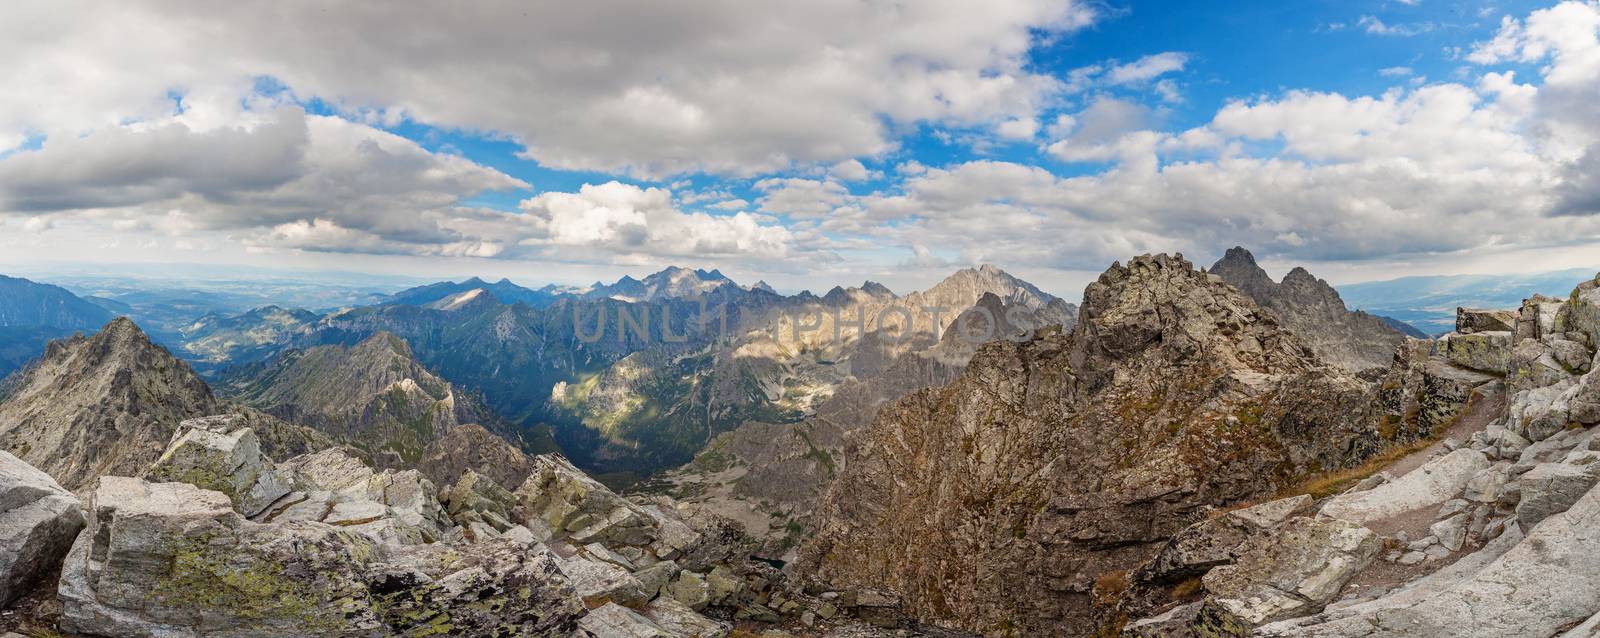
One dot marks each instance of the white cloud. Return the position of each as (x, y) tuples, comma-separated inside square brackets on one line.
[(799, 197), (850, 171), (261, 170), (1395, 72), (1018, 129), (1375, 26), (712, 85), (623, 219), (1148, 68)]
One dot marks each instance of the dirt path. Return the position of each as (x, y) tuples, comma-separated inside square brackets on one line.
[(1383, 575)]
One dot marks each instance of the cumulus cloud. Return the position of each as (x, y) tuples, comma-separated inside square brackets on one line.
[(306, 176), (709, 85), (850, 171), (624, 219), (800, 197)]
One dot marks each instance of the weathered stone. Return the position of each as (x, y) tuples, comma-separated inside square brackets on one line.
[(723, 585), (1573, 356), (679, 620), (230, 463), (171, 559), (1485, 486), (1174, 623), (38, 520), (615, 621), (564, 498), (1540, 585), (1294, 571), (1432, 484), (1471, 320), (597, 583), (1534, 365), (690, 589), (1551, 488), (1214, 541), (1542, 412), (657, 576), (1483, 351), (331, 470), (1452, 531)]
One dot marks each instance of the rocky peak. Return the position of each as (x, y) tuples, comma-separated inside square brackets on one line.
[(100, 405), (1160, 303), (876, 289), (1312, 309), (1173, 394)]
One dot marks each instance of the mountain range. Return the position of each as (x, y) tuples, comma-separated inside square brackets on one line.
[(1188, 452)]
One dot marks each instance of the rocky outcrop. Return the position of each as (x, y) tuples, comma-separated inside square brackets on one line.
[(1428, 486), (38, 520), (165, 559), (1174, 393), (1312, 309), (106, 404), (211, 454)]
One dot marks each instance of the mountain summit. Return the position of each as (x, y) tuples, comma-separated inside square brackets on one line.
[(1353, 340), (106, 404)]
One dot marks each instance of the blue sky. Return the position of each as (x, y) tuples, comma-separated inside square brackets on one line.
[(806, 144)]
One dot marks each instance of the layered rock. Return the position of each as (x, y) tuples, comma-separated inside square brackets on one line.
[(106, 404), (38, 520), (1313, 310), (1173, 393)]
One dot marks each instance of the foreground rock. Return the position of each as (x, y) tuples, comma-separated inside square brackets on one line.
[(1539, 587), (38, 520), (1430, 485), (170, 559), (1292, 572)]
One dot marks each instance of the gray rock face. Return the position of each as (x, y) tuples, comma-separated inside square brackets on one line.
[(1483, 351), (1216, 541), (335, 488), (38, 520), (1540, 585), (1550, 488), (170, 559), (1470, 320)]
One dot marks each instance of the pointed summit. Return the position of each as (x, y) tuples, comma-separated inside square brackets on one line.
[(1311, 308), (100, 405)]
